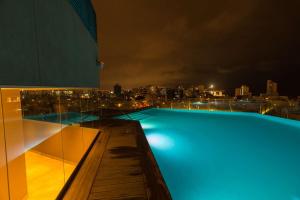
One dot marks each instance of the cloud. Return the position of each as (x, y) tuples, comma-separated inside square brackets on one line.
[(171, 42)]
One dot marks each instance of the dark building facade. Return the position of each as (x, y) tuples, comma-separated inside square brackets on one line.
[(48, 43), (118, 90), (49, 73), (85, 11)]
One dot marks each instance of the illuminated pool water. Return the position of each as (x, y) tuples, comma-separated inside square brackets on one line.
[(225, 156)]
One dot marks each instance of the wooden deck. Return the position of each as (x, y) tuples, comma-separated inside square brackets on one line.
[(120, 166)]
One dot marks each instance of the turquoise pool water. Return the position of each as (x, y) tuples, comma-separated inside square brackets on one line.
[(224, 156)]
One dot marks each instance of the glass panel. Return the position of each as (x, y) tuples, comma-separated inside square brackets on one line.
[(3, 166), (90, 107), (43, 135), (34, 143), (75, 111), (71, 118)]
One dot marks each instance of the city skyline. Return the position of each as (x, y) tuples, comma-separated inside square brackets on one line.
[(271, 89), (186, 42)]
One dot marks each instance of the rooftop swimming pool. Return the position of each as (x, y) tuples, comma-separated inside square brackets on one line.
[(224, 156)]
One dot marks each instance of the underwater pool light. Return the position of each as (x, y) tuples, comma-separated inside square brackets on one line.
[(160, 141)]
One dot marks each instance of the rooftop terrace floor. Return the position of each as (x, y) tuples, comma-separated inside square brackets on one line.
[(120, 165)]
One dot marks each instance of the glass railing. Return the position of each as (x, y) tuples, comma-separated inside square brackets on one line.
[(110, 105), (42, 139), (281, 108), (44, 133)]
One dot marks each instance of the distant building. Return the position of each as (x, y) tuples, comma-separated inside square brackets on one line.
[(237, 92), (118, 90), (143, 91), (191, 92), (272, 88), (188, 92), (179, 93), (201, 88), (217, 93), (243, 91), (152, 89), (163, 91), (170, 93)]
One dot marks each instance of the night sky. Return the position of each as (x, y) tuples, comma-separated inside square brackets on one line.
[(192, 42)]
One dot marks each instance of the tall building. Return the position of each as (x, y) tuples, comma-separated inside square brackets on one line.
[(152, 89), (48, 54), (244, 90), (237, 92), (118, 90), (272, 88), (179, 92), (201, 88), (171, 93)]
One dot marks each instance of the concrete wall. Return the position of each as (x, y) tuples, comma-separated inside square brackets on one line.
[(44, 43)]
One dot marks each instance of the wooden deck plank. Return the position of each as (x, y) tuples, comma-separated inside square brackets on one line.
[(121, 148), (119, 167), (120, 180)]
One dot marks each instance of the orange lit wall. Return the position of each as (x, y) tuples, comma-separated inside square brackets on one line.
[(36, 157), (3, 168), (15, 147)]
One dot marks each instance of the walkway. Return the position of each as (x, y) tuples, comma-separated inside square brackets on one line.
[(120, 166)]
